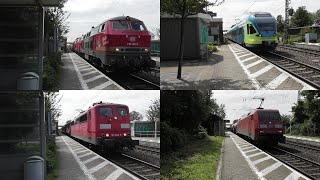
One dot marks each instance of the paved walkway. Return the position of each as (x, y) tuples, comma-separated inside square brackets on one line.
[(77, 162), (221, 71), (78, 74), (242, 160)]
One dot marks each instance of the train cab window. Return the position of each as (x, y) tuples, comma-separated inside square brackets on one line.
[(105, 111), (83, 118), (122, 111), (269, 116), (138, 26), (252, 30), (102, 27), (120, 25)]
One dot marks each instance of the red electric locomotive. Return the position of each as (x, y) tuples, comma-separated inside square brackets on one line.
[(104, 125), (120, 43), (263, 126)]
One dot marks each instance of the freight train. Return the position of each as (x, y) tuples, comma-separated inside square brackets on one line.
[(103, 126), (263, 126), (258, 30), (118, 44)]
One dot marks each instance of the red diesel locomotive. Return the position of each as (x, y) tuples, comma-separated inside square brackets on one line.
[(104, 125), (263, 126), (120, 43)]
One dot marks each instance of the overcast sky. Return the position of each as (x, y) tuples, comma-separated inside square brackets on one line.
[(239, 102), (238, 9), (136, 100), (88, 13)]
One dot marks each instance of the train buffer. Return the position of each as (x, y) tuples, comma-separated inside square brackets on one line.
[(77, 162)]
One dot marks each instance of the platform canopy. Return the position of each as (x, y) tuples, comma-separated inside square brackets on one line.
[(47, 3)]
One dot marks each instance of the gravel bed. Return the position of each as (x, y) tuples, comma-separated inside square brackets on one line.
[(299, 56), (145, 156), (306, 153)]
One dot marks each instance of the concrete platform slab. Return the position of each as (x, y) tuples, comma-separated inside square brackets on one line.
[(311, 46), (73, 166), (258, 165), (146, 141), (78, 74), (302, 140)]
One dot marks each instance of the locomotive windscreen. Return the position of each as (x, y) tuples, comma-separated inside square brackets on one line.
[(105, 111), (138, 26), (122, 111), (269, 115), (120, 25), (266, 25)]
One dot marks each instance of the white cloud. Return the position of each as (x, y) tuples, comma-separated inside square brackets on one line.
[(85, 13), (235, 9), (136, 100), (240, 102)]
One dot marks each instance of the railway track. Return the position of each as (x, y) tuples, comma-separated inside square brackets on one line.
[(148, 149), (304, 146), (134, 81), (305, 72), (294, 48), (139, 168), (307, 167)]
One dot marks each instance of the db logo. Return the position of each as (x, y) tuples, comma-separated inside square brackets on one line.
[(132, 39)]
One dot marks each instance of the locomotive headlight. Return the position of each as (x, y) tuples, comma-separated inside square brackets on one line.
[(107, 135), (146, 50), (261, 131), (124, 134), (117, 49)]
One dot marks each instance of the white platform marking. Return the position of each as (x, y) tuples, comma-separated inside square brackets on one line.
[(101, 86), (254, 63), (96, 168), (260, 160), (248, 59), (93, 78), (277, 81), (82, 83), (84, 154), (90, 159), (261, 71), (270, 168), (114, 175), (257, 154), (243, 55), (292, 176)]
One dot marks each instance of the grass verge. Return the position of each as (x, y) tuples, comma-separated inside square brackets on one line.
[(197, 160), (51, 159)]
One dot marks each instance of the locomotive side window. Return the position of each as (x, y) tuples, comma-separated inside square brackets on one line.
[(122, 111), (105, 111), (248, 29), (138, 26), (120, 25)]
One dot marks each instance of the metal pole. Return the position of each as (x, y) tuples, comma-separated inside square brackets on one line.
[(155, 129), (40, 53), (286, 24), (42, 128)]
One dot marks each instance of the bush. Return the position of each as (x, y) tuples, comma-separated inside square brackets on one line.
[(51, 158), (201, 133), (171, 138), (294, 38), (51, 70)]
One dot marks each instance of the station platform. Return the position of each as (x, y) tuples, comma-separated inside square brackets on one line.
[(243, 161), (233, 67), (303, 140), (77, 162), (78, 74), (310, 46), (148, 141)]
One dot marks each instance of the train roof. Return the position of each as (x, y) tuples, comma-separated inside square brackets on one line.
[(251, 16), (123, 18)]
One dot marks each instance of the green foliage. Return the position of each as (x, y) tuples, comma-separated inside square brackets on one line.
[(294, 38), (302, 17), (51, 158), (202, 133), (316, 16), (280, 23), (135, 116), (185, 7), (171, 138), (212, 48), (51, 70), (153, 113), (307, 113)]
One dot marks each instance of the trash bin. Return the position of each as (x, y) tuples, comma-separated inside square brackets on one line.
[(28, 81), (34, 168)]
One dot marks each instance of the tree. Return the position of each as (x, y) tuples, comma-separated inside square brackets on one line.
[(280, 23), (184, 8), (316, 16), (135, 116), (302, 18), (155, 33), (153, 113)]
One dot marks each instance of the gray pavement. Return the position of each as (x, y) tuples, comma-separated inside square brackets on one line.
[(221, 71), (68, 166), (234, 166), (78, 74)]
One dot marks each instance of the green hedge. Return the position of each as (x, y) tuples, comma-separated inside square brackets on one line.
[(51, 158), (171, 138), (51, 70)]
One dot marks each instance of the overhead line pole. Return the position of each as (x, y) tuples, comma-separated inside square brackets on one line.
[(286, 24)]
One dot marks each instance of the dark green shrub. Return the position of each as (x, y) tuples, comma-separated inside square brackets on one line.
[(51, 70), (171, 138)]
